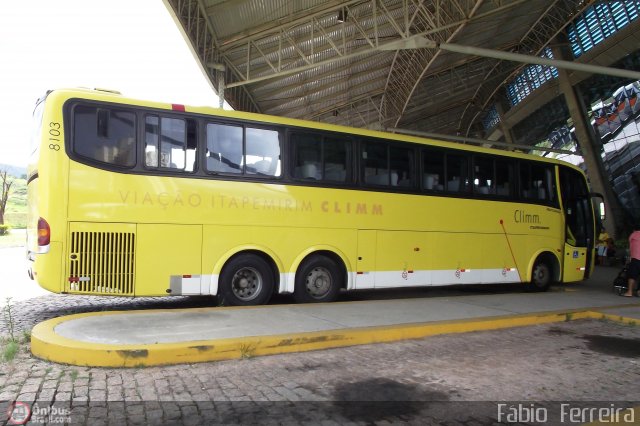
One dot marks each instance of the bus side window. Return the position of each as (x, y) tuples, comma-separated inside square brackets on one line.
[(336, 155), (504, 177), (307, 156), (484, 182), (318, 157), (170, 143), (542, 185), (402, 165), (432, 170), (151, 138), (375, 161), (262, 156), (224, 149), (106, 135), (457, 173)]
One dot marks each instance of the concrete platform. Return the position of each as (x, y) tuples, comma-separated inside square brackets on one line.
[(155, 337)]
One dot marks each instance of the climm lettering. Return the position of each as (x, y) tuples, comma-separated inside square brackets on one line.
[(351, 208), (221, 201), (521, 216)]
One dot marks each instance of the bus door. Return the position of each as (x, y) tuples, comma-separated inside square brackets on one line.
[(579, 225)]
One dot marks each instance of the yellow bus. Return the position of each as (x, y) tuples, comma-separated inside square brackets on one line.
[(136, 198)]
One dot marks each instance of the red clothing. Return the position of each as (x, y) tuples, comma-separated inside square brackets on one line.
[(634, 245)]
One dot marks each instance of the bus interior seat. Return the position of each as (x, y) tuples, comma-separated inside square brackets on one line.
[(542, 194), (124, 153), (151, 158), (336, 172), (105, 153), (307, 171), (504, 189), (430, 181), (216, 165), (262, 166), (453, 185), (383, 179)]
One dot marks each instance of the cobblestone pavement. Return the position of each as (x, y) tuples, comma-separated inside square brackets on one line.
[(427, 381)]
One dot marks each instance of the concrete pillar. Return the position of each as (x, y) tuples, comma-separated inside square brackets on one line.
[(589, 146), (504, 127)]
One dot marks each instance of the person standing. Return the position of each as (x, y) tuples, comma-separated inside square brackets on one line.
[(601, 246), (633, 270)]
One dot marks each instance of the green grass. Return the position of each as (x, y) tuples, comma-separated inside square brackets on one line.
[(10, 350), (16, 211)]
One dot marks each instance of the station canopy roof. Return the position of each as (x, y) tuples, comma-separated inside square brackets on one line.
[(364, 63)]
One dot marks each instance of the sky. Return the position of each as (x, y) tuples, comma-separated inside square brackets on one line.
[(132, 46)]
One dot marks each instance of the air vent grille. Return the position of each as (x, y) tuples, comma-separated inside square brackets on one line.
[(102, 263)]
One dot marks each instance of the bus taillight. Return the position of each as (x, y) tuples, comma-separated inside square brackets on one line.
[(44, 233)]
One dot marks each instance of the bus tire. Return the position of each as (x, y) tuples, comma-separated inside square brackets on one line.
[(541, 276), (246, 280), (318, 280)]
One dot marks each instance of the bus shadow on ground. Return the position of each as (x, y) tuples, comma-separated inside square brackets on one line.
[(418, 292)]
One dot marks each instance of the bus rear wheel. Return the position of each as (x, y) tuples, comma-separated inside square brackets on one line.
[(541, 276), (318, 280), (246, 280)]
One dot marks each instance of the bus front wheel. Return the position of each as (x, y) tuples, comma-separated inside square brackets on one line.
[(541, 276), (246, 280), (318, 280)]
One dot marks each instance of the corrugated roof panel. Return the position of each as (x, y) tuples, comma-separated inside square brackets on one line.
[(262, 37), (231, 18)]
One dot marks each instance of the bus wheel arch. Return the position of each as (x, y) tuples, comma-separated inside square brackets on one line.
[(249, 277), (545, 271), (319, 277)]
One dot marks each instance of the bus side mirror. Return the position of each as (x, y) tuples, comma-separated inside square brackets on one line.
[(603, 213), (599, 207)]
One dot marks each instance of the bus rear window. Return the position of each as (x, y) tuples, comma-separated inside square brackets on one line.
[(106, 135)]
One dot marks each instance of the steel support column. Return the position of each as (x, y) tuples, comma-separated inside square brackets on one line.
[(588, 146)]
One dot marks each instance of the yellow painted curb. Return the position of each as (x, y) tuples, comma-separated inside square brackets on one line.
[(46, 344)]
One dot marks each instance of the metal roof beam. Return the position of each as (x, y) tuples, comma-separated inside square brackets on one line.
[(319, 45), (411, 66), (286, 72), (531, 59), (270, 93), (372, 100), (539, 35), (282, 110), (275, 26)]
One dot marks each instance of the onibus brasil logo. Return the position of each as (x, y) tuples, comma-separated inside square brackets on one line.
[(18, 413)]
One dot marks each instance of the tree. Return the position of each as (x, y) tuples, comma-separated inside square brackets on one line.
[(5, 188)]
